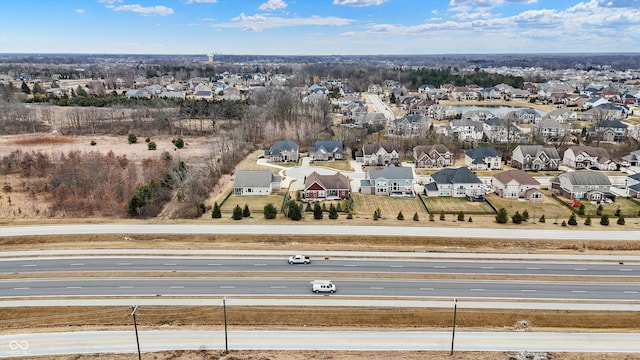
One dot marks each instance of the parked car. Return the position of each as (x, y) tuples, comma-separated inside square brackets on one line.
[(299, 259)]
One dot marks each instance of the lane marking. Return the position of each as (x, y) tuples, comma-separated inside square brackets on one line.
[(176, 287), (259, 264), (533, 268), (376, 288), (214, 264), (487, 267), (580, 269), (227, 287), (578, 291), (121, 264), (527, 290), (278, 287), (396, 266), (29, 265), (74, 287), (78, 264), (439, 267), (169, 264), (125, 287), (349, 265), (630, 292), (476, 289), (426, 288), (21, 288), (626, 269)]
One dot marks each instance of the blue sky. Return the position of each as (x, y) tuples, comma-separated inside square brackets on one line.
[(319, 27)]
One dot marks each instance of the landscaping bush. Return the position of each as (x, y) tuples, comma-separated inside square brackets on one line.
[(237, 213), (270, 211)]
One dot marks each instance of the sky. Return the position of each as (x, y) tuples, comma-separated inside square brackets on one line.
[(319, 27)]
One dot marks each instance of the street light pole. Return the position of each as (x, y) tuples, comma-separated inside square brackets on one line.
[(453, 334), (226, 342), (135, 326)]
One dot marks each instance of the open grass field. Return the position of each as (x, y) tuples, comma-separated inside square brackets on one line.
[(450, 205), (366, 205), (627, 207), (256, 203), (550, 207), (341, 165)]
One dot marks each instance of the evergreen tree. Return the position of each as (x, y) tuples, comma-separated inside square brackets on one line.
[(317, 211), (294, 210), (416, 217), (587, 221), (215, 213), (542, 219), (442, 215), (270, 211), (502, 216), (599, 210), (350, 215), (620, 220), (604, 220), (308, 209), (460, 216), (132, 138), (400, 216), (237, 213), (333, 212), (470, 220), (516, 218), (246, 212), (25, 88), (572, 220), (376, 216), (525, 215), (339, 207), (617, 213), (581, 209)]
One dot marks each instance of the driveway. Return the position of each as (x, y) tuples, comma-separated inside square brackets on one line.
[(295, 176)]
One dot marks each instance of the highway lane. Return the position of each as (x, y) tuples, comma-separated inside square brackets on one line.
[(301, 230), (490, 289), (319, 264), (105, 342)]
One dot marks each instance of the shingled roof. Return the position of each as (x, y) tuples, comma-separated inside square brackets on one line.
[(460, 175), (520, 176)]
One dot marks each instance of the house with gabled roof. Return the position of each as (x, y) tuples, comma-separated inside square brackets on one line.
[(632, 184), (455, 182), (552, 131), (380, 154), (631, 159), (516, 184), (525, 116), (465, 130), (535, 158), (609, 130), (483, 158), (562, 115), (582, 185), (326, 150), (409, 126), (391, 181), (588, 157), (326, 187), (432, 156), (593, 102), (255, 182), (282, 151)]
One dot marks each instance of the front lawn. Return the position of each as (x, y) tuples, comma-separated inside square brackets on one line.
[(366, 205), (256, 203), (549, 207)]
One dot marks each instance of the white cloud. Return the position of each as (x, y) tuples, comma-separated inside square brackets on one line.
[(109, 1), (359, 3), (80, 11), (202, 1), (261, 22), (160, 10), (273, 5)]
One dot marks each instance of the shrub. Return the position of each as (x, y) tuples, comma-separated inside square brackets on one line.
[(333, 213), (132, 138), (442, 215), (460, 216), (147, 140), (237, 213), (502, 216), (542, 219), (350, 215), (201, 209), (431, 217), (151, 145), (572, 220), (376, 216), (294, 211), (179, 143), (93, 143), (525, 215), (620, 220), (270, 211), (215, 212), (581, 209), (617, 213), (604, 220), (470, 220), (400, 216), (564, 223), (416, 217), (246, 212), (587, 221)]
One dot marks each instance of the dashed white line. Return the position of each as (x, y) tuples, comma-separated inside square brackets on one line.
[(439, 267), (532, 268), (527, 290), (626, 269), (349, 265), (21, 288), (227, 287), (74, 287), (476, 289), (78, 264), (426, 288), (578, 291), (214, 264), (487, 267), (278, 287), (176, 287), (122, 264), (29, 265), (580, 269), (259, 264), (630, 292), (396, 266), (169, 264), (125, 287), (376, 288)]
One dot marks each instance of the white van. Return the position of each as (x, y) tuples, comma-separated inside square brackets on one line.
[(319, 286)]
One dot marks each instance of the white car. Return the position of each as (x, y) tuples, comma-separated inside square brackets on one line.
[(299, 259)]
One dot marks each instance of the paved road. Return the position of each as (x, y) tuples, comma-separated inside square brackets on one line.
[(90, 342), (345, 265), (488, 289), (298, 229)]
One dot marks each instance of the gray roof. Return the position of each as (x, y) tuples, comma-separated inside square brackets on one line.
[(280, 146), (329, 146), (534, 150), (460, 175), (585, 177), (254, 178), (482, 152), (392, 172)]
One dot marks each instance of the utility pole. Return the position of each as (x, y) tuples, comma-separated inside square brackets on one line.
[(226, 341), (135, 326), (453, 334)]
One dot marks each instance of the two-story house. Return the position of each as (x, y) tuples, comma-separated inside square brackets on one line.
[(326, 150), (483, 158), (535, 158), (391, 181), (380, 154), (516, 184), (455, 182), (430, 156), (282, 151), (582, 185), (588, 157)]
